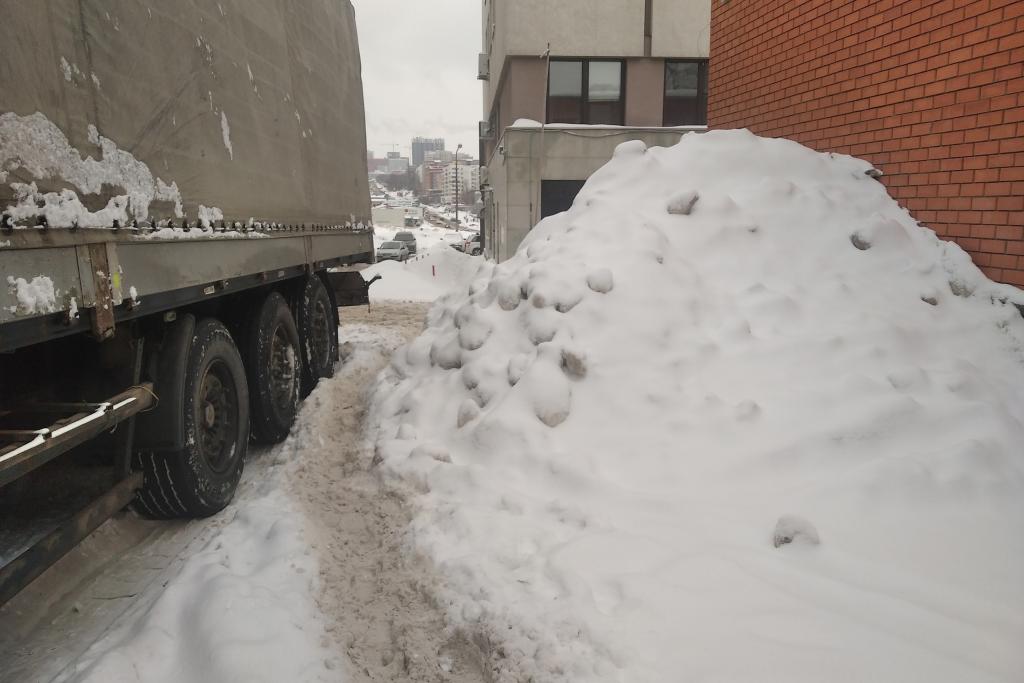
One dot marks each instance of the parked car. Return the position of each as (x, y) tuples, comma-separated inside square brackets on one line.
[(413, 221), (455, 240), (474, 247), (392, 251), (408, 239)]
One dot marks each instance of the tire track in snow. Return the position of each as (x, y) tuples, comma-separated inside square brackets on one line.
[(373, 592)]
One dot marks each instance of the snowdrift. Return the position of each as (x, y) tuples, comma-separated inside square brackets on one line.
[(735, 416), (424, 277)]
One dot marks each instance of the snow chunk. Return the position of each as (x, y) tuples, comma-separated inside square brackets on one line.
[(794, 529), (406, 432), (549, 391), (600, 280), (207, 216), (35, 296), (468, 411), (682, 203), (630, 148)]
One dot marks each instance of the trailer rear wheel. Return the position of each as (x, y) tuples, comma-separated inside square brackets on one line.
[(200, 479), (318, 333), (274, 368)]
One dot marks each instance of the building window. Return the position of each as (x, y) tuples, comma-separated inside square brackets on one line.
[(557, 196), (686, 93), (586, 91)]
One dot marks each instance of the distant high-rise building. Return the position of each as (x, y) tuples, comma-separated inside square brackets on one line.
[(461, 178), (420, 146)]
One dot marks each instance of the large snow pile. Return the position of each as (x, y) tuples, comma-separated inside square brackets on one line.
[(733, 417)]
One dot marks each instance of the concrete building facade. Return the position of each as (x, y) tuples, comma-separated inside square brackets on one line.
[(929, 91), (430, 181), (629, 69)]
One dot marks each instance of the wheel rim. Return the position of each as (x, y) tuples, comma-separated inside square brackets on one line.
[(320, 344), (283, 368), (218, 414)]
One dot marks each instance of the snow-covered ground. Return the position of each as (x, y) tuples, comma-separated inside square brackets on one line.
[(252, 588), (467, 221), (300, 579), (735, 416)]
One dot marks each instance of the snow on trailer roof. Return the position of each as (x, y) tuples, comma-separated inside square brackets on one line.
[(42, 151), (735, 400)]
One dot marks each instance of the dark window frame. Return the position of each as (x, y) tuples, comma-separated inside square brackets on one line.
[(702, 92), (557, 196), (584, 96)]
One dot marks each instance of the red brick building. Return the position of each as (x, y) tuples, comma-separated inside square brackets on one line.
[(930, 91)]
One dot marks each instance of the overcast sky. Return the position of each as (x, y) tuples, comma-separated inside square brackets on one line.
[(419, 71)]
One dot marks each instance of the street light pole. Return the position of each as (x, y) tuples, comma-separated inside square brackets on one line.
[(457, 188)]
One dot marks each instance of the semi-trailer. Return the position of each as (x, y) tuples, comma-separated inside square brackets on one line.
[(182, 196)]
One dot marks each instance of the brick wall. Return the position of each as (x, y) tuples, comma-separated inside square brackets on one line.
[(930, 91)]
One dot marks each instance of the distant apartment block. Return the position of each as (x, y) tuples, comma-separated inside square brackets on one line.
[(462, 179), (421, 146), (628, 69), (929, 91), (396, 163), (430, 177)]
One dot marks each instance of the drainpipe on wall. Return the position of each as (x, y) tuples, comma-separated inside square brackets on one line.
[(546, 56)]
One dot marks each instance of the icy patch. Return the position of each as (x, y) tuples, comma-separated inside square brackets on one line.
[(35, 144), (70, 70), (225, 131), (65, 68)]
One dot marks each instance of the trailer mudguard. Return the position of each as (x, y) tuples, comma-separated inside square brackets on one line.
[(163, 427)]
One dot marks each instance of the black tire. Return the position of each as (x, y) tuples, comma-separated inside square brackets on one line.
[(200, 480), (318, 333), (273, 366)]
